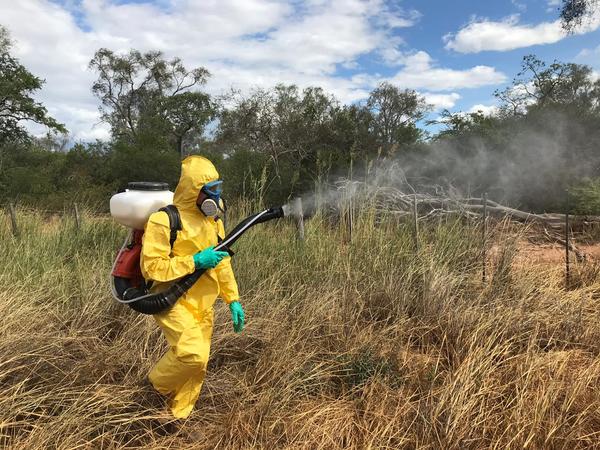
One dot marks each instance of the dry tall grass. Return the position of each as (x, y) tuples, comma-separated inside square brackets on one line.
[(361, 345)]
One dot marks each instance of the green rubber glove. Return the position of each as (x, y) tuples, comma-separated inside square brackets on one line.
[(237, 315), (208, 258)]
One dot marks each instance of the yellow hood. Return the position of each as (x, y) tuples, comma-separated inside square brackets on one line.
[(196, 171)]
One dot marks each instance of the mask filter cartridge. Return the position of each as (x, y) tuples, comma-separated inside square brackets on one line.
[(209, 208)]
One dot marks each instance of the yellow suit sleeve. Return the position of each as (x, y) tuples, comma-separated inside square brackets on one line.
[(228, 288), (156, 261)]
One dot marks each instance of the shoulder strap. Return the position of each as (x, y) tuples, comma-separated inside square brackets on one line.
[(174, 221)]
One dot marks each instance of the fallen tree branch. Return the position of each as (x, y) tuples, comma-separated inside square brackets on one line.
[(578, 254), (395, 198)]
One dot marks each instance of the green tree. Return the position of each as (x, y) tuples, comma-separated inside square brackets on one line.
[(150, 101), (459, 124), (5, 41), (308, 136), (293, 129), (139, 163), (541, 85), (585, 196), (544, 140), (395, 116), (574, 12), (17, 105)]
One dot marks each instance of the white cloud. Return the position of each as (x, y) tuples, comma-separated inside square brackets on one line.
[(391, 52), (395, 17), (420, 72), (487, 110), (519, 5), (243, 43), (589, 56), (509, 34), (441, 101), (586, 53), (553, 6)]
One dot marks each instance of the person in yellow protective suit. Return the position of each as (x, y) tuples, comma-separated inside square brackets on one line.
[(188, 325)]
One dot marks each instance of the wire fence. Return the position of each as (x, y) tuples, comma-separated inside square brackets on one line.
[(75, 211), (78, 214)]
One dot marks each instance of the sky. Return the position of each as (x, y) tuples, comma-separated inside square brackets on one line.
[(455, 53)]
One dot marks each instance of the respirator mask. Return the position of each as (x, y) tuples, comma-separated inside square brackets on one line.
[(209, 199)]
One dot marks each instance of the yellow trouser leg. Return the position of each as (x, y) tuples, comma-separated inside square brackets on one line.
[(181, 370)]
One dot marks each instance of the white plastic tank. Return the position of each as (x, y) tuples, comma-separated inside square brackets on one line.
[(133, 207)]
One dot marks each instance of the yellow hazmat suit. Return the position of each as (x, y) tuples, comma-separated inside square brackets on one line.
[(187, 325)]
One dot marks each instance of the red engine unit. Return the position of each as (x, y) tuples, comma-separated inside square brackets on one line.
[(128, 261)]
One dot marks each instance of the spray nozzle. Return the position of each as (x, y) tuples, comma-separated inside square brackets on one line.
[(293, 208)]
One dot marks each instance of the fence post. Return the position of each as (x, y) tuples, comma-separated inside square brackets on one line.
[(77, 217), (567, 265), (416, 223), (299, 214), (317, 195), (13, 219), (484, 238), (350, 210), (349, 219)]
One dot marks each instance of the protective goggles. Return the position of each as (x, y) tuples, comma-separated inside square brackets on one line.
[(213, 189)]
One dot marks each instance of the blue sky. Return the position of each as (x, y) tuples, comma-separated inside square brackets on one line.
[(437, 22), (454, 53)]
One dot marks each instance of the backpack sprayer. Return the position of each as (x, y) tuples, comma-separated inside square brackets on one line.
[(132, 208)]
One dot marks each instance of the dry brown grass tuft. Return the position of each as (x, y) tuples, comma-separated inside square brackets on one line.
[(362, 345)]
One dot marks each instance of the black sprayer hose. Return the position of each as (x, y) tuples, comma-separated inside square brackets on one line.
[(144, 303)]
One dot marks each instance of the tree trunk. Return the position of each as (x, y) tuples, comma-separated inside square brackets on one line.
[(180, 146)]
